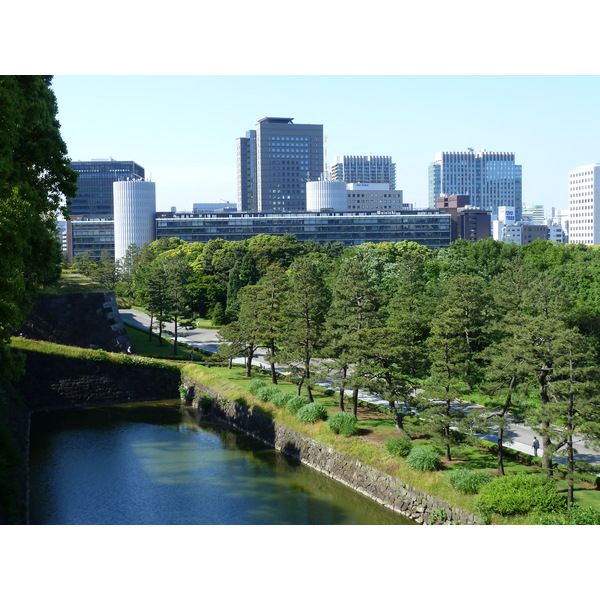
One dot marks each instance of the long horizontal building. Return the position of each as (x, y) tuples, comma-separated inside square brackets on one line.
[(428, 227)]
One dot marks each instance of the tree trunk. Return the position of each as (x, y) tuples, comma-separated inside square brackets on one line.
[(570, 472), (342, 389), (398, 418), (273, 370), (500, 452), (175, 340), (249, 358), (546, 441), (355, 401)]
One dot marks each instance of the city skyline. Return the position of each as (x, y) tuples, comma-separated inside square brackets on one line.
[(183, 129)]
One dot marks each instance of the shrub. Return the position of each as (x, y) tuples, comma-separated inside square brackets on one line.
[(399, 446), (422, 458), (468, 481), (205, 402), (343, 423), (266, 393), (296, 403), (281, 398), (520, 494), (312, 412), (255, 385)]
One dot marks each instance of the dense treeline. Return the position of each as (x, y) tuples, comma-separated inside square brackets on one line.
[(516, 327), (35, 179)]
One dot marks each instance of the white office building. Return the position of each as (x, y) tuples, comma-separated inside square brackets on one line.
[(135, 212), (337, 195), (584, 205)]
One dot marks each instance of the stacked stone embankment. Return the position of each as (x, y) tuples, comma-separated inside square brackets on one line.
[(87, 320), (380, 487)]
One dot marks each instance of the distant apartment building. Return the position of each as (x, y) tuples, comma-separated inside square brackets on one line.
[(94, 198), (275, 161), (507, 229), (490, 179), (467, 222), (534, 213), (338, 195), (584, 205), (364, 169)]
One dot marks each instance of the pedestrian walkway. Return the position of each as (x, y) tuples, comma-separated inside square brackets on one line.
[(519, 437)]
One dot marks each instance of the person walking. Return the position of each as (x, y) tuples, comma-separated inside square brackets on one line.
[(536, 445)]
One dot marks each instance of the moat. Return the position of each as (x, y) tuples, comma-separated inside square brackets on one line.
[(154, 463)]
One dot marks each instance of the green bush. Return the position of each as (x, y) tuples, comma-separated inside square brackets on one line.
[(468, 481), (312, 412), (575, 516), (520, 494), (343, 423), (266, 393), (296, 403), (205, 402), (399, 446), (422, 458), (281, 398), (255, 385)]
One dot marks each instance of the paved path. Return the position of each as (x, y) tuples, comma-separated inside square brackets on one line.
[(519, 436)]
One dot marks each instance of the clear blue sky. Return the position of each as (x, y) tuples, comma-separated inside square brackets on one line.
[(182, 129)]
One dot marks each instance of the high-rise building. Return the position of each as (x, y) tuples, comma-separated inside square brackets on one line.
[(275, 161), (94, 197), (491, 179), (364, 169), (584, 205)]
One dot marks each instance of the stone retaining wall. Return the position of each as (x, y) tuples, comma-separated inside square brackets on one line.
[(87, 320), (381, 487), (53, 381)]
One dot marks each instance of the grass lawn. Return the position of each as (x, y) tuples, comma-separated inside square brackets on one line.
[(71, 283), (151, 347)]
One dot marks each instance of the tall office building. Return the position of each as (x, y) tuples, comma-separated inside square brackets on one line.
[(491, 179), (584, 205), (274, 162), (94, 197), (364, 169)]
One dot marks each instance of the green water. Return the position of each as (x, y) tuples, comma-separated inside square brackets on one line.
[(154, 464)]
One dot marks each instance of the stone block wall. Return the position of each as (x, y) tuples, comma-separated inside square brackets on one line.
[(87, 320), (53, 381), (380, 487)]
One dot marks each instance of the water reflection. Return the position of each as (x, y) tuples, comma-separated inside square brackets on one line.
[(154, 464)]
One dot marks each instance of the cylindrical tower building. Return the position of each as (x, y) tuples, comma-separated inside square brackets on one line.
[(326, 195), (135, 213)]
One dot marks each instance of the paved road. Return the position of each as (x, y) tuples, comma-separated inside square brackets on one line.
[(520, 437)]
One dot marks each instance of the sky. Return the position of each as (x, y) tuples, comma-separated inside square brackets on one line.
[(182, 128)]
